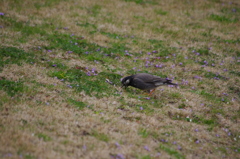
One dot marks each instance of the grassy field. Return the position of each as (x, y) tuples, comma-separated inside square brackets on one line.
[(61, 64)]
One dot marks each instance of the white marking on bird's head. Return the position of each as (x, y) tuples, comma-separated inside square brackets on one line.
[(127, 82)]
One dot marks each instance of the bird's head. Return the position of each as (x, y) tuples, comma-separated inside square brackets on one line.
[(126, 81)]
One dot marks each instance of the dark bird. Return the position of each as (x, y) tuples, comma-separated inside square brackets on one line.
[(145, 81)]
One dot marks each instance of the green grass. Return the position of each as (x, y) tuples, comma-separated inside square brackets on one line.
[(161, 49), (44, 137), (12, 87), (89, 51), (223, 19), (143, 19), (113, 35), (235, 73), (161, 12), (143, 133), (77, 104), (235, 90), (95, 9), (207, 95), (143, 2), (203, 51), (25, 28), (61, 63), (182, 106), (171, 151), (176, 95), (13, 55), (100, 136), (211, 123), (212, 75), (145, 108), (28, 156), (87, 25), (146, 157), (66, 42), (91, 85)]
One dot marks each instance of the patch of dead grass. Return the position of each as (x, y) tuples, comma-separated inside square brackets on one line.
[(45, 110)]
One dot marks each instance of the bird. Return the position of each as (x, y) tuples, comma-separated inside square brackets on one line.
[(145, 81)]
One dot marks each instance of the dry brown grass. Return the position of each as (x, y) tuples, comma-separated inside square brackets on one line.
[(40, 122)]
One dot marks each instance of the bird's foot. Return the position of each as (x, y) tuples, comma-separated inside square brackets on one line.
[(151, 91)]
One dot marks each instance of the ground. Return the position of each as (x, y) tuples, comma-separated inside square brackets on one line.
[(61, 64)]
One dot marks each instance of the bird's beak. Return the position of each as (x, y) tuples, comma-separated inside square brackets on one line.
[(124, 86)]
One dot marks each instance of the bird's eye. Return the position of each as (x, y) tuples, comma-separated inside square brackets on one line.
[(127, 81)]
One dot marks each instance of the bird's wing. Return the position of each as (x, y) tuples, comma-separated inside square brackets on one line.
[(147, 78), (139, 83)]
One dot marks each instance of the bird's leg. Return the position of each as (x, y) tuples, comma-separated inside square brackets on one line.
[(151, 91)]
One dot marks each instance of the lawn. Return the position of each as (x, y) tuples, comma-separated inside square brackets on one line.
[(61, 65)]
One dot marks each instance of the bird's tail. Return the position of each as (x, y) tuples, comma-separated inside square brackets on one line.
[(169, 82)]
